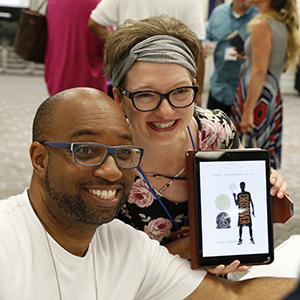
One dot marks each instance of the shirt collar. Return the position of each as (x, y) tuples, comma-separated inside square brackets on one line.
[(249, 11)]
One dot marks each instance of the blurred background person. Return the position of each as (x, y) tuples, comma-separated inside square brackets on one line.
[(297, 79), (273, 44), (224, 20), (111, 13), (74, 55)]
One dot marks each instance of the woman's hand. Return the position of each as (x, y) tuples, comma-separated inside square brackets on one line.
[(247, 122), (233, 267), (278, 185)]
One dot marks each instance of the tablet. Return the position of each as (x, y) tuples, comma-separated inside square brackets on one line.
[(233, 207)]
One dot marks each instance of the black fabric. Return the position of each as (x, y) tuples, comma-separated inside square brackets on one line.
[(297, 79), (295, 295), (212, 103)]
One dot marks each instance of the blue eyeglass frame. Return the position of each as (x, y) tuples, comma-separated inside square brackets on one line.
[(162, 96), (109, 150)]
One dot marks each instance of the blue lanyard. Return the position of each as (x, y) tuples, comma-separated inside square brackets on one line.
[(153, 192), (191, 137), (157, 197)]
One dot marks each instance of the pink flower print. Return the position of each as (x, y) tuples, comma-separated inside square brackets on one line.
[(159, 228), (213, 134), (140, 194)]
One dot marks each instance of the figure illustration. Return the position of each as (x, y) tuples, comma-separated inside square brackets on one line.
[(243, 201)]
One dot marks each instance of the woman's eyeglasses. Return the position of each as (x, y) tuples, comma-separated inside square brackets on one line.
[(150, 100)]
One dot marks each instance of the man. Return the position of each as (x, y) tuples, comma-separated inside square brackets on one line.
[(111, 13), (226, 19), (59, 240), (244, 202)]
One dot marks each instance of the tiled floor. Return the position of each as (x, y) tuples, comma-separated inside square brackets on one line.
[(21, 95)]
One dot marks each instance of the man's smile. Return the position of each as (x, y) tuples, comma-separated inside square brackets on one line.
[(105, 197)]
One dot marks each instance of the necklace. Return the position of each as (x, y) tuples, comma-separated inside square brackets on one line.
[(170, 181), (177, 176), (56, 272), (161, 176)]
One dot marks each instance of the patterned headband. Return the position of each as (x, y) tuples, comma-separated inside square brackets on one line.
[(158, 49)]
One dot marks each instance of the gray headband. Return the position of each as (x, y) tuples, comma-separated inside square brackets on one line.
[(158, 49)]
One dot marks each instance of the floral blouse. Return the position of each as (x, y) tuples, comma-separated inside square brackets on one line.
[(144, 212)]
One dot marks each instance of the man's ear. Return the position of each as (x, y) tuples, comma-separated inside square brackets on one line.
[(39, 158)]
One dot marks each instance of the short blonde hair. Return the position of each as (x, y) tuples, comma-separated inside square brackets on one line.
[(120, 42)]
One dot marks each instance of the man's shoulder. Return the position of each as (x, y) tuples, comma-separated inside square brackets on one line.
[(252, 11), (11, 208), (222, 8), (12, 203), (116, 233)]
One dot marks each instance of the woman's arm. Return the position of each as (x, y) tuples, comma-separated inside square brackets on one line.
[(261, 45)]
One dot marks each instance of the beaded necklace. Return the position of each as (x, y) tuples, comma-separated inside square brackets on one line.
[(172, 179)]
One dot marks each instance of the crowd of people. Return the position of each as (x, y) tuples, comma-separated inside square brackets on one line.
[(99, 163)]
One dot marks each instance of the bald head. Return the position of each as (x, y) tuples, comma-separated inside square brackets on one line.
[(72, 106)]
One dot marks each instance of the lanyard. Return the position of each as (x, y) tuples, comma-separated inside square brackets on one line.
[(153, 192), (157, 197)]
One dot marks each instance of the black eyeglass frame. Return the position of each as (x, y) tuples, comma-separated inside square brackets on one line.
[(109, 150), (162, 96)]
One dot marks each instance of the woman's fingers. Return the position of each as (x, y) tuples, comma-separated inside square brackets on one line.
[(233, 267)]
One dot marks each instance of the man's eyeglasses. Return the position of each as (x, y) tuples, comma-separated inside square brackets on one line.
[(149, 100), (93, 154)]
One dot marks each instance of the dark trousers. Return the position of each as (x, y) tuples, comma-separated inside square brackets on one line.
[(297, 80), (212, 103)]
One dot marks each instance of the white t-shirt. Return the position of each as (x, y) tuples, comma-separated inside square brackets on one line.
[(128, 265), (115, 12)]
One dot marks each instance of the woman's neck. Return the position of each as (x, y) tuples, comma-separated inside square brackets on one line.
[(165, 158), (263, 8)]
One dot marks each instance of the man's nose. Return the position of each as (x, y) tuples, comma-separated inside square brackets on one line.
[(109, 170)]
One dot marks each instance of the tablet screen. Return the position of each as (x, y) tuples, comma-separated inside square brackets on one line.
[(233, 208)]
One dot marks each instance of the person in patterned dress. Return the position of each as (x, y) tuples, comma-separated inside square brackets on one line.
[(272, 46), (152, 64)]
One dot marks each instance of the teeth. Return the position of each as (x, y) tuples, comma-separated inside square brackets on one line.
[(104, 194), (163, 125)]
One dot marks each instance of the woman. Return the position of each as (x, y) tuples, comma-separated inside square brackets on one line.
[(272, 45), (152, 64), (74, 55)]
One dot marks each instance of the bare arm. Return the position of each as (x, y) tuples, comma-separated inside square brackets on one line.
[(200, 76), (261, 44), (259, 288), (102, 32)]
